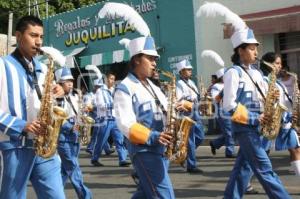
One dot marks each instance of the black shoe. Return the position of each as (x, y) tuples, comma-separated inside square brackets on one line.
[(89, 151), (194, 170), (96, 163), (230, 156), (212, 148), (251, 191), (135, 178), (110, 151), (124, 164)]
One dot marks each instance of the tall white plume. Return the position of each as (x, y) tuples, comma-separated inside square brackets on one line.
[(125, 42), (213, 55), (56, 55), (213, 9), (128, 14), (95, 69)]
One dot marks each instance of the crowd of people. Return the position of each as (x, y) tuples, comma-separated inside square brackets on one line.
[(130, 117)]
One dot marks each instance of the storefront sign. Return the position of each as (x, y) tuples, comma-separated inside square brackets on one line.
[(86, 29), (173, 60)]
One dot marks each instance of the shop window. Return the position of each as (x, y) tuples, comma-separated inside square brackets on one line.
[(289, 47)]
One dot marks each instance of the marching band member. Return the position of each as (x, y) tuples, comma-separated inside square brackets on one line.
[(89, 101), (246, 122), (140, 109), (226, 139), (244, 90), (69, 137), (107, 126), (22, 77), (287, 137), (287, 79), (216, 92), (187, 93), (140, 118)]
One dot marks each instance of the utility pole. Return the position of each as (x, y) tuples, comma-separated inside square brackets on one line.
[(47, 9), (28, 7), (9, 32)]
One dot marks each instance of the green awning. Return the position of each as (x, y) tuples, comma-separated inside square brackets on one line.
[(69, 54), (116, 56)]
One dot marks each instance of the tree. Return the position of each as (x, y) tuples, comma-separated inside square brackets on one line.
[(20, 8)]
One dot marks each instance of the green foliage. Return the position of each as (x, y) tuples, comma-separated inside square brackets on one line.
[(20, 8)]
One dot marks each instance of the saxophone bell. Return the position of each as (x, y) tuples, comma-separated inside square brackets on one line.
[(273, 110), (49, 115), (179, 128)]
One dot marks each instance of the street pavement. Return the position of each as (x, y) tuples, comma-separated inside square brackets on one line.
[(114, 182)]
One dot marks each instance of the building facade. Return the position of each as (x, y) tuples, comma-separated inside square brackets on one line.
[(178, 33), (81, 33), (276, 25)]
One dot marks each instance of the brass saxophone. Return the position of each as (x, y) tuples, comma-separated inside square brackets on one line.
[(206, 101), (272, 108), (51, 117), (296, 105), (84, 121), (179, 128)]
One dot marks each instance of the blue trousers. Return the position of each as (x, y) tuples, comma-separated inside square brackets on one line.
[(20, 165), (91, 145), (70, 168), (252, 157), (196, 137), (152, 170), (104, 130), (226, 139)]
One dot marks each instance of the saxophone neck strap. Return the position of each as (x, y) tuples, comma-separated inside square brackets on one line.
[(17, 55), (255, 83), (192, 88), (70, 102), (285, 93), (156, 99)]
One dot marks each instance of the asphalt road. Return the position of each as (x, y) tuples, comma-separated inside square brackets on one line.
[(114, 182)]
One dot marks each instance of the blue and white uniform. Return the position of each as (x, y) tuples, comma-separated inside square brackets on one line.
[(185, 92), (69, 148), (243, 101), (19, 104), (89, 99), (287, 137), (224, 121), (106, 125), (141, 121)]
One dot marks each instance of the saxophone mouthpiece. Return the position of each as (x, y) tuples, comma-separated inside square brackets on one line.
[(39, 51), (270, 65)]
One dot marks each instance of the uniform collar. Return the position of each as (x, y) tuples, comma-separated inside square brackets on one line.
[(132, 77)]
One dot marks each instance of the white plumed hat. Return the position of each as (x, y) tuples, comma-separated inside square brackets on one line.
[(63, 74), (184, 64), (242, 34), (98, 82), (144, 44), (217, 58), (220, 72)]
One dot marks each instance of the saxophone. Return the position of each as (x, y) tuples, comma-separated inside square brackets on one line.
[(272, 108), (296, 105), (179, 128), (51, 117), (206, 101), (83, 120)]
